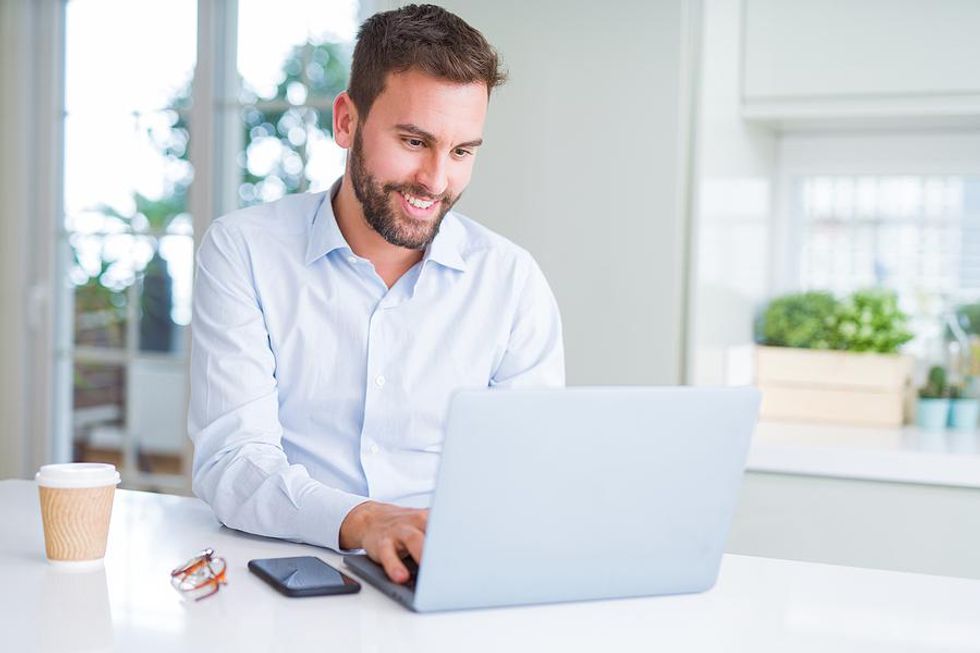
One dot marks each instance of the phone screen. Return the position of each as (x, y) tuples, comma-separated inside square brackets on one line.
[(303, 576)]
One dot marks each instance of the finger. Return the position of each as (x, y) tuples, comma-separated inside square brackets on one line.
[(422, 519), (414, 540), (388, 557)]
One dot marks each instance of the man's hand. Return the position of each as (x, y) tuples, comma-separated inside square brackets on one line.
[(386, 532)]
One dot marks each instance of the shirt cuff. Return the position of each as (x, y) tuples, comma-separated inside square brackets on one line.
[(322, 513)]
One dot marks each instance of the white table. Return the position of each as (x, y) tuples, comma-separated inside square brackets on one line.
[(758, 604)]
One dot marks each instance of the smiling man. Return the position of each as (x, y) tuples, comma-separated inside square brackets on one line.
[(330, 330)]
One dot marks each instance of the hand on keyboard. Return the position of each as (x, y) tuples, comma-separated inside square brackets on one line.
[(387, 533)]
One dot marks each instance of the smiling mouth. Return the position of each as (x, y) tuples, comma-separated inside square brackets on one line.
[(418, 202)]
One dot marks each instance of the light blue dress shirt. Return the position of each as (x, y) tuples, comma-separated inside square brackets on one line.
[(315, 387)]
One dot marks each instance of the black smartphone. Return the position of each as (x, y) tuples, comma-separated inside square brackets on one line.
[(303, 576)]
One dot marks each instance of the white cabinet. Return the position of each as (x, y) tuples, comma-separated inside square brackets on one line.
[(927, 529), (861, 58)]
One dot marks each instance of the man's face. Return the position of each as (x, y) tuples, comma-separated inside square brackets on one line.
[(412, 157)]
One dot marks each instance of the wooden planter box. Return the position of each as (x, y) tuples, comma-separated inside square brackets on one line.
[(833, 386)]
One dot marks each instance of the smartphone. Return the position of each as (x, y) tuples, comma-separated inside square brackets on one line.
[(303, 576)]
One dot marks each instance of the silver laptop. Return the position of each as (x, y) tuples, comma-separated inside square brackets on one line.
[(582, 493)]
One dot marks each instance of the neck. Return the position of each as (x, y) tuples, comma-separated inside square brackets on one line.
[(390, 261)]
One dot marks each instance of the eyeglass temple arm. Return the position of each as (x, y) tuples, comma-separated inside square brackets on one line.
[(192, 566)]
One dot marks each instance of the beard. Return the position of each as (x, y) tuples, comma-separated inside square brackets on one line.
[(383, 211)]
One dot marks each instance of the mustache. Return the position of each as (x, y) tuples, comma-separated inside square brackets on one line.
[(415, 191)]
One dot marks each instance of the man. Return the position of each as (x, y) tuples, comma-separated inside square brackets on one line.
[(331, 329)]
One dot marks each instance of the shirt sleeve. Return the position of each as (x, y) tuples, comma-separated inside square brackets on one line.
[(535, 355), (239, 467)]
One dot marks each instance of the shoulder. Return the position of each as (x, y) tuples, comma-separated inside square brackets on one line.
[(289, 216), (481, 245), (501, 266), (273, 228)]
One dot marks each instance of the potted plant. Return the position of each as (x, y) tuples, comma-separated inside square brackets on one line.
[(835, 360), (932, 410), (964, 405)]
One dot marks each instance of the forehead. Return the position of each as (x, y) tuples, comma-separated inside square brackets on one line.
[(441, 107)]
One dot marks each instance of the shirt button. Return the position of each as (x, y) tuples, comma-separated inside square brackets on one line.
[(380, 381), (352, 260), (374, 448)]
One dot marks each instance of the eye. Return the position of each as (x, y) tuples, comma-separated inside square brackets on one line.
[(461, 153), (414, 143)]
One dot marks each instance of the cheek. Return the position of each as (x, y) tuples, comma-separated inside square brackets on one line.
[(388, 162), (460, 177), (394, 167)]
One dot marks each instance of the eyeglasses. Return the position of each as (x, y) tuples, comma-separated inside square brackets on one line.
[(201, 576)]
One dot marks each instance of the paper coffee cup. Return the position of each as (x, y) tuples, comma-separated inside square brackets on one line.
[(76, 503)]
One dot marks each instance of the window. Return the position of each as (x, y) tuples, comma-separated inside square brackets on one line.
[(896, 211), (911, 233), (290, 72), (127, 237)]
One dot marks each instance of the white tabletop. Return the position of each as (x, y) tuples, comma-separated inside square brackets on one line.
[(758, 604)]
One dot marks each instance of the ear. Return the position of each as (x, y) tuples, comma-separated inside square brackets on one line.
[(344, 120)]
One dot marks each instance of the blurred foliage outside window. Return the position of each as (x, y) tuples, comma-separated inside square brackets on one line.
[(282, 136)]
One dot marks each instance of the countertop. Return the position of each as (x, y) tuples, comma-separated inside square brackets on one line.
[(903, 455)]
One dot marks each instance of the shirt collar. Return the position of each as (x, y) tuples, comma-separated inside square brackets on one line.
[(325, 235), (445, 249)]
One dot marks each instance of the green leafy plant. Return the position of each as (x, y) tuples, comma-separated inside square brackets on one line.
[(870, 320), (865, 321), (801, 320), (935, 387)]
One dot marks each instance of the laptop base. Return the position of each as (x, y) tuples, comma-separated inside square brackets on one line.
[(374, 574)]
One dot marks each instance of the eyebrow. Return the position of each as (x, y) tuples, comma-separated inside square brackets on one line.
[(418, 131)]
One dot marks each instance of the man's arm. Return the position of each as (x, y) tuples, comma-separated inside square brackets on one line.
[(535, 355), (240, 468)]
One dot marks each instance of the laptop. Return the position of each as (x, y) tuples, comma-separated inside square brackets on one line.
[(551, 495)]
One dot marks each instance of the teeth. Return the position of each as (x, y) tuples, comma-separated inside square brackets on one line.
[(417, 203)]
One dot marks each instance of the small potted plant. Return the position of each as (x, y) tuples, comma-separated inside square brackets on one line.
[(964, 405), (932, 411)]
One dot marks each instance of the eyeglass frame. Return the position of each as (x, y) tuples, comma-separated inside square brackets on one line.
[(204, 560)]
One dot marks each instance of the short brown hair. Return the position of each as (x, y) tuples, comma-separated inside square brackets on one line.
[(423, 37)]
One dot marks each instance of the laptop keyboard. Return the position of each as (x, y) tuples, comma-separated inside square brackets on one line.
[(413, 571)]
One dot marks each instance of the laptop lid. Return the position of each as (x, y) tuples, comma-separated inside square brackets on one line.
[(552, 495)]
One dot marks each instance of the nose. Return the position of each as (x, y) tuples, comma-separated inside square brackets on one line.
[(433, 174)]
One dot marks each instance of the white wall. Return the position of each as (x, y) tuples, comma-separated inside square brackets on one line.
[(14, 109), (30, 192), (735, 170), (584, 165)]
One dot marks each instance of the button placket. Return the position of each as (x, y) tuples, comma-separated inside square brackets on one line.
[(374, 423)]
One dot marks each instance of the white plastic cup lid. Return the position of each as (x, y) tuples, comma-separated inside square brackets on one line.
[(71, 475)]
